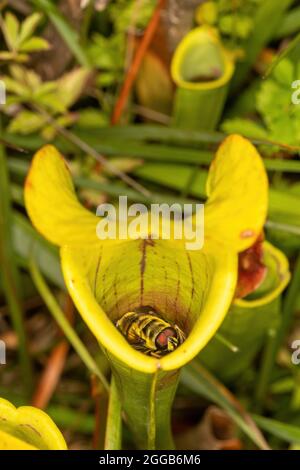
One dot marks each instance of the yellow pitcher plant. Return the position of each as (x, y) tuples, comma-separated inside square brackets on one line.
[(27, 428), (191, 288)]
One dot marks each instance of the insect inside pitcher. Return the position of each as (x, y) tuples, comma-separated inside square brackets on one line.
[(148, 333)]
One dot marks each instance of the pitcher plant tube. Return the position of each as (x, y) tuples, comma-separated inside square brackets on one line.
[(201, 69), (192, 289)]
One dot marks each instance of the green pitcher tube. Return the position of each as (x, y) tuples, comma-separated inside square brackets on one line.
[(248, 321), (201, 69)]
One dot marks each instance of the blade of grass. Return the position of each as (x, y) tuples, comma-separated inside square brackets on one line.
[(293, 229), (9, 273), (101, 406), (69, 35), (286, 432), (94, 144), (169, 135), (200, 381), (113, 435), (59, 316), (141, 133), (282, 55)]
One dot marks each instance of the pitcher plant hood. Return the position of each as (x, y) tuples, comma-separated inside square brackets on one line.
[(27, 428), (108, 278)]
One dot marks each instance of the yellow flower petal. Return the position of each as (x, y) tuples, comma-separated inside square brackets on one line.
[(237, 189), (27, 427), (52, 204)]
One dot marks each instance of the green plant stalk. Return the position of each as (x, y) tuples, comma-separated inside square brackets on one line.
[(266, 22), (113, 435), (63, 323), (198, 109), (147, 401), (10, 276)]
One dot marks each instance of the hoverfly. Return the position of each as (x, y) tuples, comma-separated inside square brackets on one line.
[(148, 333)]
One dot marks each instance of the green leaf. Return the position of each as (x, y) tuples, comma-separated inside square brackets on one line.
[(245, 127), (10, 28), (34, 44), (286, 432), (16, 87), (91, 118), (28, 26), (51, 101), (46, 88), (71, 85), (284, 72), (26, 122), (5, 55)]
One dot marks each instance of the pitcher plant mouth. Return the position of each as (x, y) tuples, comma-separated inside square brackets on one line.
[(277, 278), (201, 62), (108, 278), (114, 289)]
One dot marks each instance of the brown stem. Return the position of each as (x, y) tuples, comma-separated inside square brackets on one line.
[(135, 66)]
